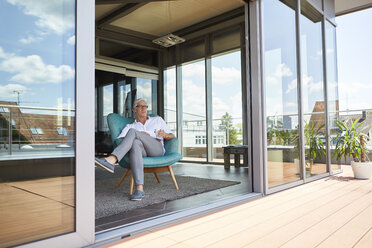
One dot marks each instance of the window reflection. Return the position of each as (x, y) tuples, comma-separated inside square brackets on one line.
[(37, 120), (312, 90), (332, 84), (280, 75)]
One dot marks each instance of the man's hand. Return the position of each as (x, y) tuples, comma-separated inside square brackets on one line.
[(164, 135), (161, 134)]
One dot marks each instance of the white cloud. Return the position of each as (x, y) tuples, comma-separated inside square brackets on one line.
[(290, 104), (283, 71), (7, 91), (272, 80), (4, 55), (314, 87), (291, 86), (32, 69), (219, 107), (71, 40), (193, 98), (193, 70), (225, 75), (30, 39), (53, 15)]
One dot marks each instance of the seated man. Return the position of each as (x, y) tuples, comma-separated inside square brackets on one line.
[(144, 137)]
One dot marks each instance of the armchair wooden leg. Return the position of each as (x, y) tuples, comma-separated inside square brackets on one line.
[(157, 176), (131, 185), (122, 178), (172, 175)]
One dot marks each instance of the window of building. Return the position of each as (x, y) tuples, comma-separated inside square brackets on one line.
[(36, 131), (62, 131)]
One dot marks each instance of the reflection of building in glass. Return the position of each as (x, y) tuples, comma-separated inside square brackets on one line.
[(35, 128)]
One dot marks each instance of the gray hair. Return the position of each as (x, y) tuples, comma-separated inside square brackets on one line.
[(138, 100)]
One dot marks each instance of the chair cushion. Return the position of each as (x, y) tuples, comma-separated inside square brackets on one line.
[(148, 162)]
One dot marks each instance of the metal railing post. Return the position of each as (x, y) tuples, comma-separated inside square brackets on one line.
[(10, 133)]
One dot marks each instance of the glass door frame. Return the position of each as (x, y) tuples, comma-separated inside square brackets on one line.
[(84, 93), (259, 101)]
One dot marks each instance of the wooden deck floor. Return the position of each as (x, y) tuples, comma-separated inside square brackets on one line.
[(332, 212)]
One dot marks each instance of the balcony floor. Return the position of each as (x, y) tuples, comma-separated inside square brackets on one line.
[(331, 212)]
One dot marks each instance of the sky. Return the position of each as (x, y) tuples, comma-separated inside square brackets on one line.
[(37, 52), (354, 50)]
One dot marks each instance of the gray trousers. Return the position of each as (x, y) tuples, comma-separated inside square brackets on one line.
[(140, 145)]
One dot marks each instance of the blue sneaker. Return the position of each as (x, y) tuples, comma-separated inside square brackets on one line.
[(104, 164), (137, 195)]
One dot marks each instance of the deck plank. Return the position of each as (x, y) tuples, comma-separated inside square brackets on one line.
[(349, 234), (365, 241)]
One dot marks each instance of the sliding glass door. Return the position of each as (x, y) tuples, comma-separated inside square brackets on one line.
[(44, 87)]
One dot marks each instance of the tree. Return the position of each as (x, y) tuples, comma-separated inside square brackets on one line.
[(231, 132)]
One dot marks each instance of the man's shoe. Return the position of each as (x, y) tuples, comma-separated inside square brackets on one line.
[(104, 164), (137, 195)]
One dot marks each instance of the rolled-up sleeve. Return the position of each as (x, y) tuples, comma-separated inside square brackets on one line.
[(164, 126)]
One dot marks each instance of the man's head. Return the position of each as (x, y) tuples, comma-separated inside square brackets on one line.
[(140, 107)]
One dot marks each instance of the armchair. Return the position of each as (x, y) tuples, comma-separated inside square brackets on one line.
[(154, 165)]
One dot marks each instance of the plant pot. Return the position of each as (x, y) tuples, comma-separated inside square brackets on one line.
[(362, 170)]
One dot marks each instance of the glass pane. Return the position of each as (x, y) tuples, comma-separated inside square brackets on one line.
[(312, 91), (280, 75), (37, 120), (332, 84), (170, 100), (124, 99), (194, 116), (226, 103), (145, 89), (108, 104), (354, 71)]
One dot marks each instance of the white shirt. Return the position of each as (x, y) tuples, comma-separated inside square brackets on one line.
[(152, 125)]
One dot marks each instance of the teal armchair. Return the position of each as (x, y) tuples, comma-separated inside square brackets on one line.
[(154, 165)]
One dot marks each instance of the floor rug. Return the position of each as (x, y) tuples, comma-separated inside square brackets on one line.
[(111, 200)]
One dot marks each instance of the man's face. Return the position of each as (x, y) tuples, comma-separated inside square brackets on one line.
[(141, 109)]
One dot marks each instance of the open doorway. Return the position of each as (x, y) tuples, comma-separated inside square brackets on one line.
[(196, 86)]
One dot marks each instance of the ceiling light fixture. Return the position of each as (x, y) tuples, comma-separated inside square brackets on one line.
[(169, 39)]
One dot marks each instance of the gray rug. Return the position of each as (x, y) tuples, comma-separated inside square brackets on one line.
[(111, 200)]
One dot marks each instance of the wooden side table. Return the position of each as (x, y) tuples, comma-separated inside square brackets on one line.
[(237, 150)]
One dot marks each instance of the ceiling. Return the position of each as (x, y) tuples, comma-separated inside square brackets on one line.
[(125, 28), (347, 6), (158, 18)]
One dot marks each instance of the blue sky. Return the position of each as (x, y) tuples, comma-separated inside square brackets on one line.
[(37, 54), (354, 49)]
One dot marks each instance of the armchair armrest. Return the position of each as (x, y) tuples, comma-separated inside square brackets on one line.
[(171, 146)]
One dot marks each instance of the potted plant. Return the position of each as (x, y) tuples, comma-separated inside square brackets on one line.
[(314, 146), (350, 141)]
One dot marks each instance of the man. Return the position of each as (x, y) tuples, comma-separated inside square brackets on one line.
[(143, 138)]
